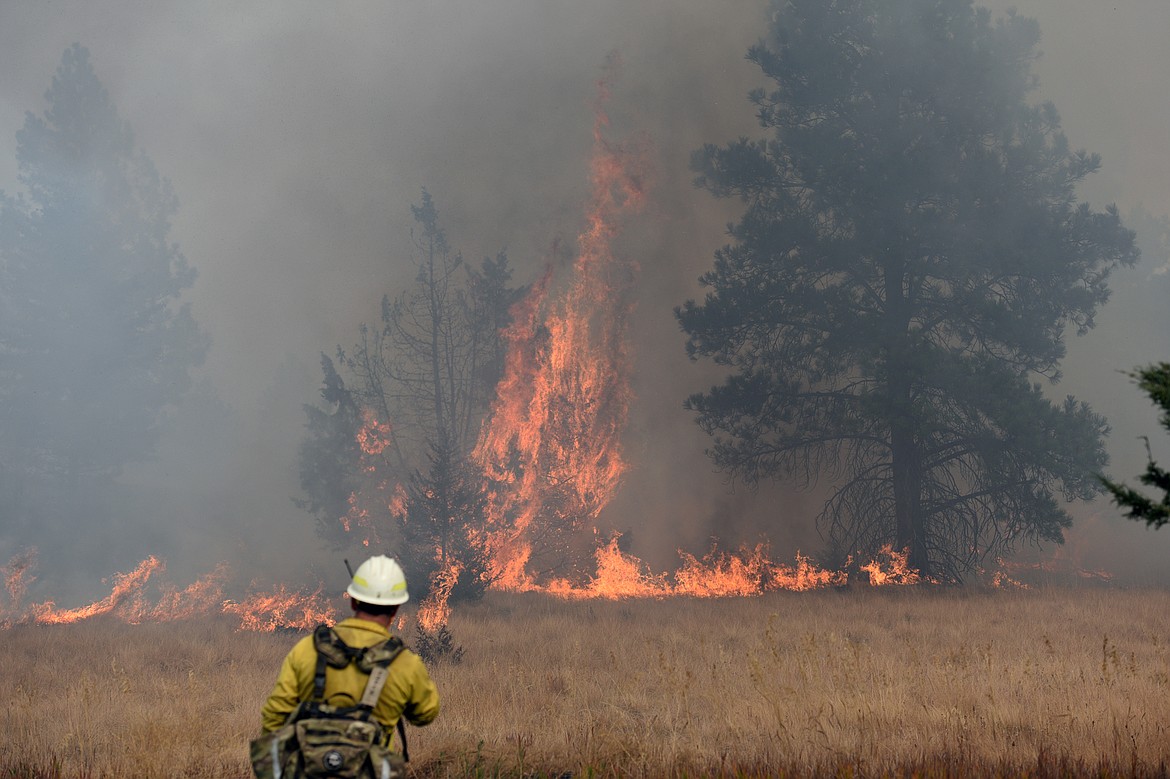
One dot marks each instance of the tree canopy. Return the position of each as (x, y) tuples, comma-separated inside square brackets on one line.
[(1154, 380), (898, 289), (94, 342)]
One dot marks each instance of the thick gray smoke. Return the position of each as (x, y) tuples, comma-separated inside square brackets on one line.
[(298, 133)]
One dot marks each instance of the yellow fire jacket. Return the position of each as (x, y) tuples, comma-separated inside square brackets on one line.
[(409, 691)]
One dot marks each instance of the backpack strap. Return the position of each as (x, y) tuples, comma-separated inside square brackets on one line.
[(402, 738), (380, 656), (322, 637), (374, 686), (376, 660), (318, 677)]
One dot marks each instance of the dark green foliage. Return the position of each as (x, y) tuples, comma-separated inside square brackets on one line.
[(95, 344), (437, 647), (910, 257), (490, 301), (330, 457), (447, 507), (1154, 380)]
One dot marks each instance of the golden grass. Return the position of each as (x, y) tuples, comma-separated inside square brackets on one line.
[(918, 682)]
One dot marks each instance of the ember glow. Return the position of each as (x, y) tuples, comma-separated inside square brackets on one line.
[(373, 438)]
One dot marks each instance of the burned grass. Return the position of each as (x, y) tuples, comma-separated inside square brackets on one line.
[(902, 682)]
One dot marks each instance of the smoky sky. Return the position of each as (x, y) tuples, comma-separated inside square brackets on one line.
[(297, 134)]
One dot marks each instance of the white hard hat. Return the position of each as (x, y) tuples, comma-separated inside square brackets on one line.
[(379, 581)]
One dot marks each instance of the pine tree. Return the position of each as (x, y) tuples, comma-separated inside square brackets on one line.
[(330, 456), (897, 291), (95, 341), (1154, 380), (447, 509)]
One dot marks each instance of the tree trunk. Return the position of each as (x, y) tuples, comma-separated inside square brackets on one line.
[(905, 457), (436, 360), (907, 483)]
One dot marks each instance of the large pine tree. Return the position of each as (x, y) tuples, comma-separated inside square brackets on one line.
[(898, 289), (94, 341)]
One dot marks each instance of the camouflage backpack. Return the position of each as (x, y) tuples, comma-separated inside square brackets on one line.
[(319, 740)]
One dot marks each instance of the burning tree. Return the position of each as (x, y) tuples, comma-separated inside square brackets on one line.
[(517, 397), (909, 259), (389, 453), (553, 442)]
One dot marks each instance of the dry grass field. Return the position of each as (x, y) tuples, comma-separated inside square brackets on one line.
[(923, 682)]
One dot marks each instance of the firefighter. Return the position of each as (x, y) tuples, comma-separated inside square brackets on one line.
[(377, 590)]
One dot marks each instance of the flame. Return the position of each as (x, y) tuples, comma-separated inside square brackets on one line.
[(896, 571), (1001, 580), (368, 505), (718, 574), (552, 444), (359, 517), (398, 501), (201, 597), (751, 571), (131, 601), (804, 576), (282, 609), (1058, 565), (619, 575), (551, 450), (127, 591), (434, 611), (622, 575), (373, 437)]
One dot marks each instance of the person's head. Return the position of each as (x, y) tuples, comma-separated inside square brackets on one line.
[(378, 587)]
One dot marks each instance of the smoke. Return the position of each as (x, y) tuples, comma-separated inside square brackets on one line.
[(1100, 66), (298, 133)]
